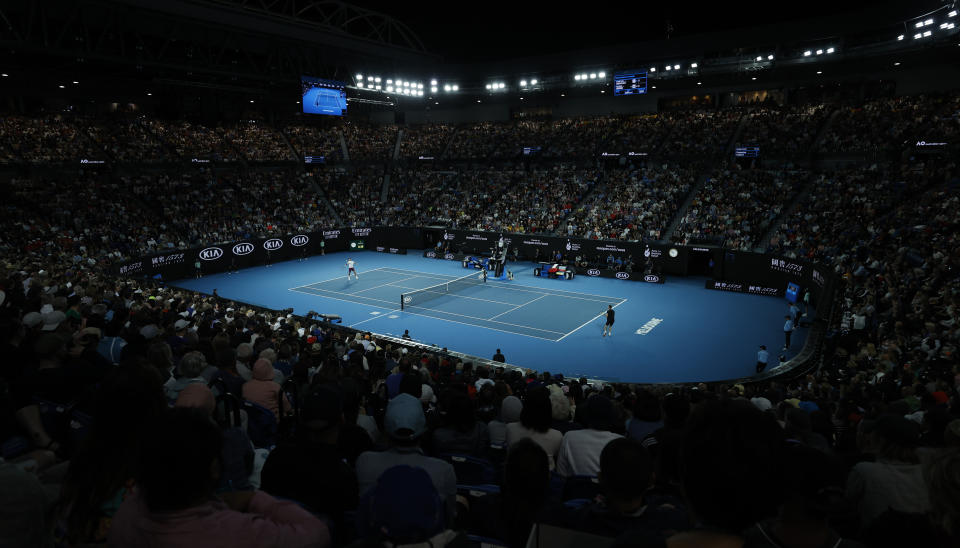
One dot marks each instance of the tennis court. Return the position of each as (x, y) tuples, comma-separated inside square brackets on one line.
[(509, 307)]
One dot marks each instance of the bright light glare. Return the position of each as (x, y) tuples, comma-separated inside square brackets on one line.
[(952, 13), (601, 75), (533, 82), (830, 50), (819, 52), (455, 87), (370, 78), (694, 65), (359, 77), (759, 58), (770, 57), (433, 82), (446, 87), (676, 67), (523, 83), (377, 79), (577, 77), (928, 22), (502, 85), (807, 53), (919, 24), (927, 33), (653, 69), (900, 37)]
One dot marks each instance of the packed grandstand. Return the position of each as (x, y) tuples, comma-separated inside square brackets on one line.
[(135, 414)]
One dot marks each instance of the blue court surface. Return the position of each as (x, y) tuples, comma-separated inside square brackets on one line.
[(672, 332)]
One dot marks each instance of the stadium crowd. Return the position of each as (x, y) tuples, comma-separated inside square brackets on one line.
[(134, 414)]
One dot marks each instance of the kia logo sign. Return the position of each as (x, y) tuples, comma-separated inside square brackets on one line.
[(300, 240), (593, 272), (211, 254), (431, 254), (448, 256), (623, 275), (273, 245), (243, 249), (649, 278)]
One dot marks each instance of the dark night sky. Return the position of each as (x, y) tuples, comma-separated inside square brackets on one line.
[(495, 29)]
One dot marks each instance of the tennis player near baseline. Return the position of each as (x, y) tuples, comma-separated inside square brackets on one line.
[(352, 269), (608, 327)]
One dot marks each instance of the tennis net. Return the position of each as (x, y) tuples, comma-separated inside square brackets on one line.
[(420, 296)]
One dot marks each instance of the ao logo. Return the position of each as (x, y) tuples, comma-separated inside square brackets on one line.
[(650, 278), (407, 299), (299, 240), (623, 275), (243, 249), (273, 245), (431, 254), (211, 254), (593, 272)]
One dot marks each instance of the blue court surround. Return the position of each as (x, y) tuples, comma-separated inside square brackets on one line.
[(544, 324)]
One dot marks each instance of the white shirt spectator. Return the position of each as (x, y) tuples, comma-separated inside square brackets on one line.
[(580, 452)]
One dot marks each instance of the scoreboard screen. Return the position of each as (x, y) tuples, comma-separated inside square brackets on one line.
[(321, 96), (629, 83), (747, 152)]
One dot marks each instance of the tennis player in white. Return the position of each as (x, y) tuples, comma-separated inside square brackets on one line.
[(352, 269)]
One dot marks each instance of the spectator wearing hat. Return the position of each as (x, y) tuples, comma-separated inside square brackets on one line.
[(310, 468), (510, 409), (580, 450), (404, 424), (263, 390), (175, 504), (895, 480)]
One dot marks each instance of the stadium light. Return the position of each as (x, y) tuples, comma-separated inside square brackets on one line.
[(819, 72), (389, 89), (419, 93), (251, 100), (63, 87), (900, 37), (455, 87), (502, 85), (150, 94), (419, 86), (897, 64), (377, 79), (378, 87), (433, 82), (928, 22), (576, 77), (676, 67), (952, 13), (389, 81), (593, 75), (653, 69), (523, 83), (359, 77), (753, 78), (533, 82), (4, 75), (478, 100), (666, 67), (602, 91), (770, 57), (927, 33), (919, 25), (369, 78), (759, 58), (653, 87), (947, 26), (819, 52), (917, 36), (830, 50), (433, 89), (699, 83), (488, 86), (359, 84), (446, 87), (601, 75), (807, 53), (694, 65)]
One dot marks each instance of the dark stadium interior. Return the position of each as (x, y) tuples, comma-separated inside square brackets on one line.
[(805, 157)]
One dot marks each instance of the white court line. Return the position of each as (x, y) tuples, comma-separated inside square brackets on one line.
[(376, 286), (588, 321), (428, 316), (427, 308), (451, 294), (331, 279), (534, 289), (377, 317), (516, 307)]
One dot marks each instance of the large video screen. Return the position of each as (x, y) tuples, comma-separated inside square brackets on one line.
[(629, 83), (323, 96)]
